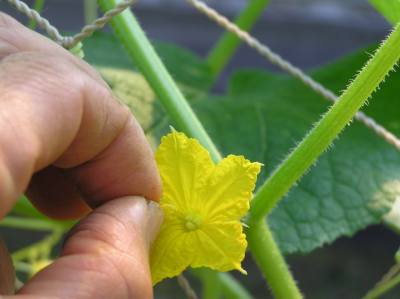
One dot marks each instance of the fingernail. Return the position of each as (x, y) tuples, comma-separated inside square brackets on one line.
[(148, 215), (155, 219)]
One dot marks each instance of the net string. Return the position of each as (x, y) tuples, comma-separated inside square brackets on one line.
[(69, 41), (289, 68), (186, 287)]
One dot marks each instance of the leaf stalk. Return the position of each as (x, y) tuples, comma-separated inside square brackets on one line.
[(327, 129), (228, 44)]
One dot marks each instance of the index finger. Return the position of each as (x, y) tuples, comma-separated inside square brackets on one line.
[(53, 112)]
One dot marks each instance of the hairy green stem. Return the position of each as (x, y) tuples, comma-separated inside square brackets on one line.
[(327, 129), (31, 224), (131, 35), (23, 267), (271, 262), (211, 285), (129, 32), (383, 288), (41, 249), (90, 11), (38, 6), (226, 47), (231, 289)]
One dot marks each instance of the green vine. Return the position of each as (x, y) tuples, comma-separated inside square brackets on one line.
[(211, 285), (90, 11), (383, 288), (140, 50), (39, 249), (34, 224), (271, 262), (227, 45), (390, 280), (327, 129), (231, 289), (228, 286)]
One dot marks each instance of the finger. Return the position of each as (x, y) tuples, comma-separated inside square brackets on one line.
[(14, 37), (53, 113), (106, 256), (7, 274)]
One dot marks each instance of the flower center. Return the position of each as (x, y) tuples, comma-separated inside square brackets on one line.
[(192, 222)]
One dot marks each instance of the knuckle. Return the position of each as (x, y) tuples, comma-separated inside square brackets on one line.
[(8, 36), (43, 71), (6, 20)]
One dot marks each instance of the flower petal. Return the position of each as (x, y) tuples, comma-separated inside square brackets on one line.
[(203, 204), (184, 167), (220, 246), (229, 188), (172, 251)]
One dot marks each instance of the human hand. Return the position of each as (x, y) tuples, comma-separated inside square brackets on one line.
[(72, 146)]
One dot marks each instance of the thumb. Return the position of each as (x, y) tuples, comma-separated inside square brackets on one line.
[(105, 255)]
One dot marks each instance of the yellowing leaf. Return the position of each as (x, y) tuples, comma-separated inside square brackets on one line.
[(203, 204)]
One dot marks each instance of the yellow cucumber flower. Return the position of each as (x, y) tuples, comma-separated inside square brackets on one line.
[(203, 204)]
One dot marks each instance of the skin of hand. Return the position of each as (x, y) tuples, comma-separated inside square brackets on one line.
[(72, 147)]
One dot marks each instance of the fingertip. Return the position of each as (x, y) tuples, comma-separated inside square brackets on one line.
[(156, 217), (105, 255), (143, 215)]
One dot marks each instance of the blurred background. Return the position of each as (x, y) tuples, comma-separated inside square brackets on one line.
[(309, 33)]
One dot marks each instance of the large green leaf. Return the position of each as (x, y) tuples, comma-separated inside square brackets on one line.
[(390, 9), (351, 186), (264, 115)]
